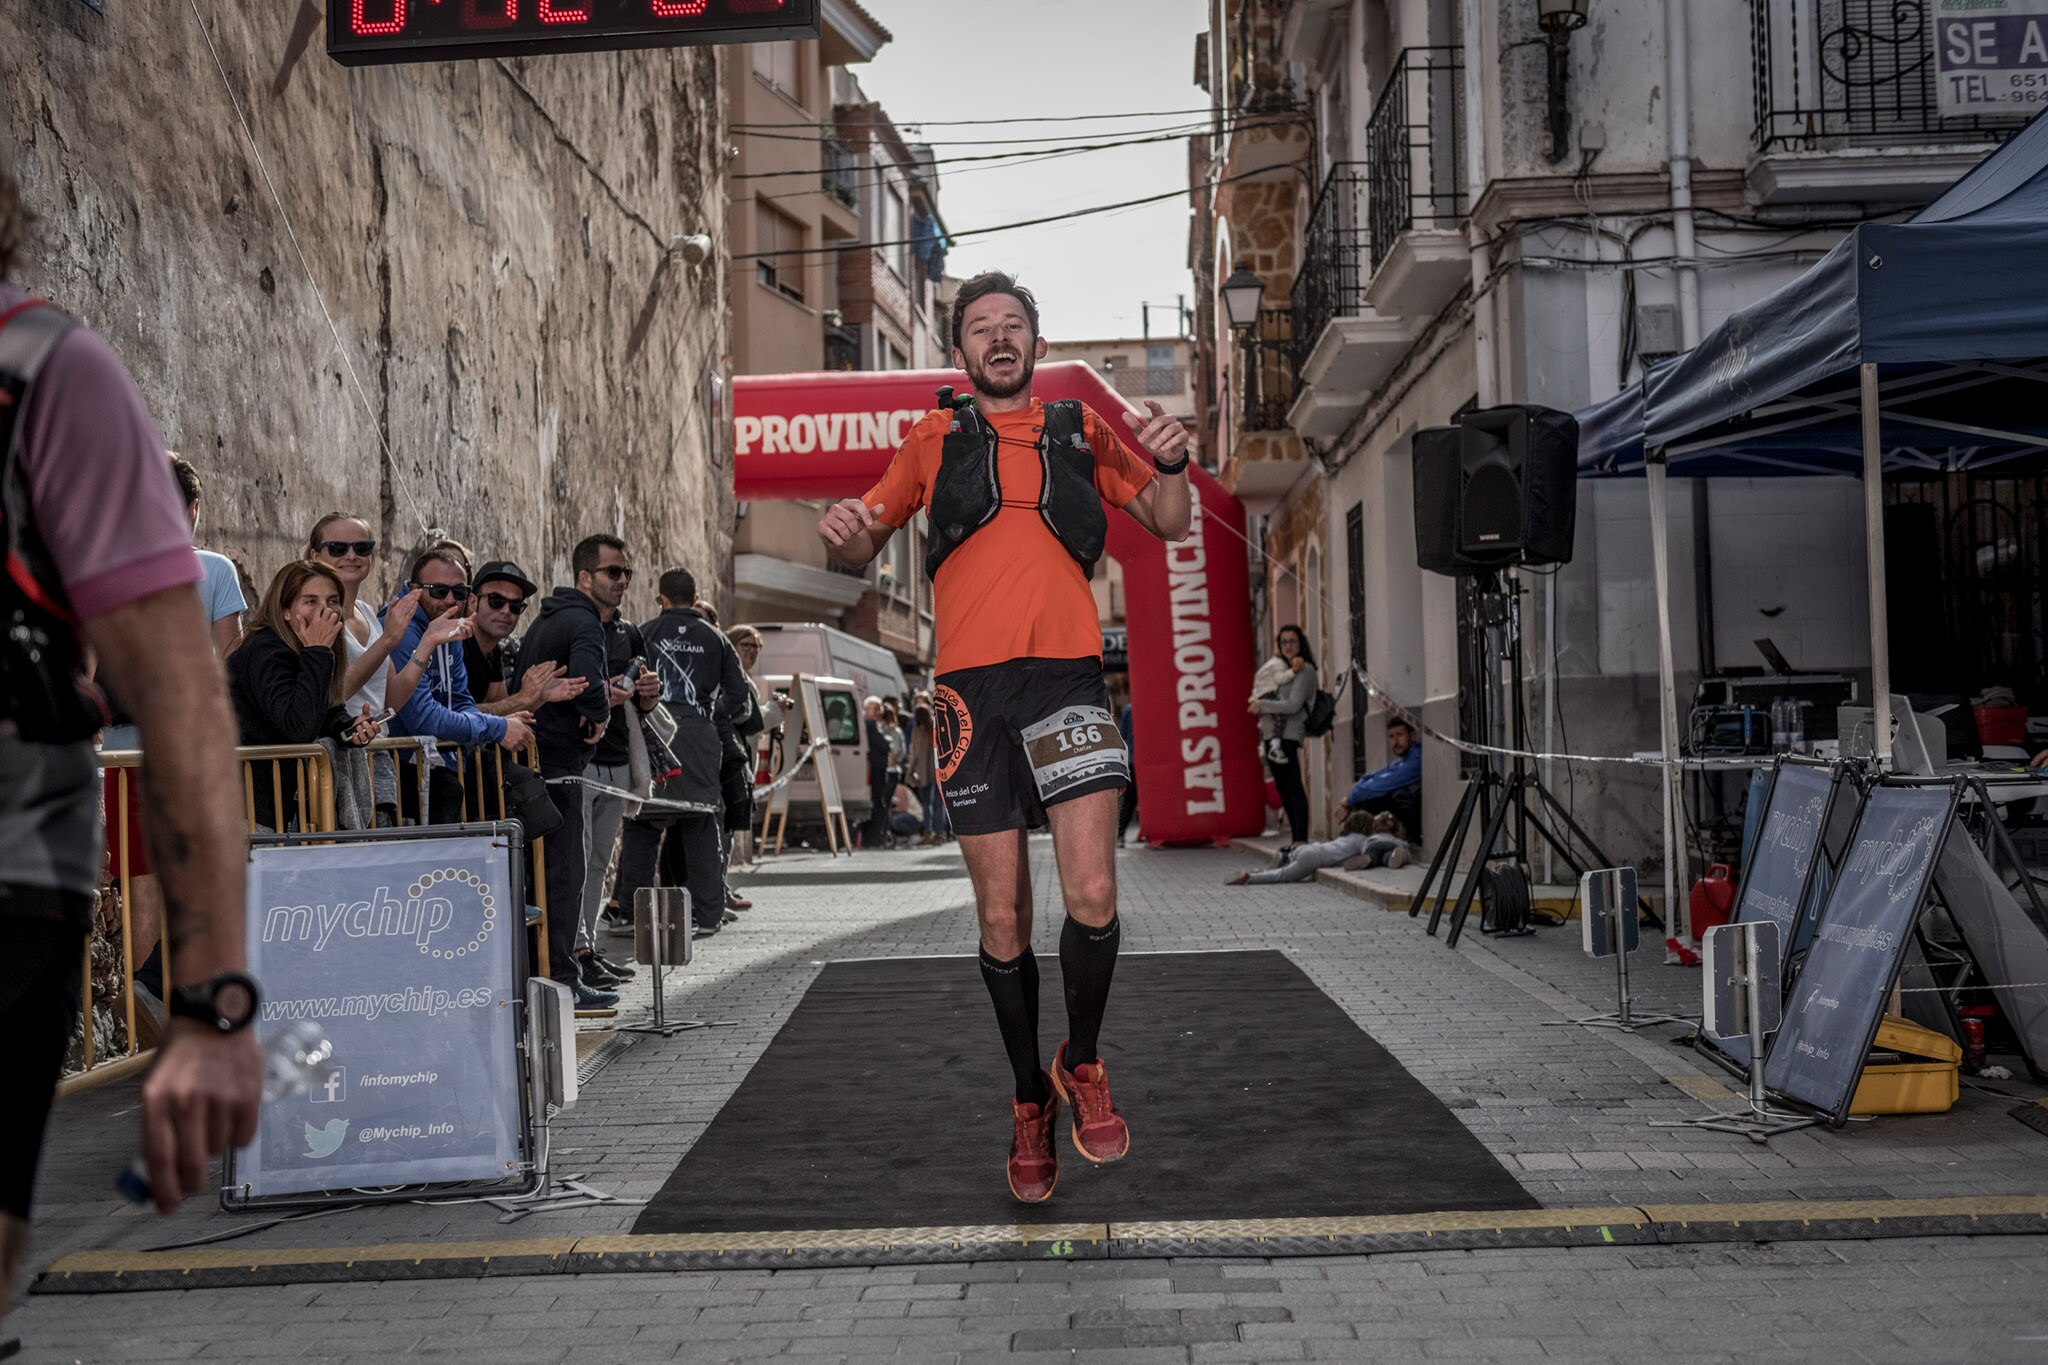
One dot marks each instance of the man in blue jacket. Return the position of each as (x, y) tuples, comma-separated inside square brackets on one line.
[(1396, 788), (441, 705)]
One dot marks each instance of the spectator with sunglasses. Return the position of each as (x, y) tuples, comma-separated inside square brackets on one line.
[(441, 704), (498, 597), (343, 542), (571, 634)]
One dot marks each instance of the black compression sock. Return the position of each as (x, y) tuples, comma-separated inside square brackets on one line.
[(1013, 986), (1087, 961)]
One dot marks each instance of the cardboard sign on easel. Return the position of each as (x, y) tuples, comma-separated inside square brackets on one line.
[(833, 808)]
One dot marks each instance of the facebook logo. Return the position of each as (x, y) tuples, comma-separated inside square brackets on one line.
[(332, 1090)]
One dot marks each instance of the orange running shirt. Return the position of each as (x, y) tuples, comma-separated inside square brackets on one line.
[(1011, 590)]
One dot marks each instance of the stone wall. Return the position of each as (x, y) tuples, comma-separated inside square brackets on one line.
[(490, 238)]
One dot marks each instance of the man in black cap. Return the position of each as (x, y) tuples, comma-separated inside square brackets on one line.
[(498, 597)]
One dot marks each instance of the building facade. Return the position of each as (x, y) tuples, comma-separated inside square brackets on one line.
[(839, 262), (1451, 207)]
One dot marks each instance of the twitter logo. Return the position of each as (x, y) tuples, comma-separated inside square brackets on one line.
[(325, 1141)]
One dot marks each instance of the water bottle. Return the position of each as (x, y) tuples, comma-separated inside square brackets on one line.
[(1781, 725), (1799, 726), (297, 1057)]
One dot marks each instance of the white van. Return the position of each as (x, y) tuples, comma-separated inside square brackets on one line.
[(816, 648), (841, 698)]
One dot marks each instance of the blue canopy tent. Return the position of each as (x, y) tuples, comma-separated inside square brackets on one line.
[(1920, 345)]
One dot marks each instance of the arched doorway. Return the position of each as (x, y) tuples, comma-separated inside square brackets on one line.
[(831, 435)]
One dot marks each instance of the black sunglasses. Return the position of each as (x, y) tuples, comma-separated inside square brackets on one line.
[(616, 571), (497, 601), (335, 549), (437, 591)]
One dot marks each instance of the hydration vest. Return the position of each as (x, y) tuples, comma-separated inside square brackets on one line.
[(43, 688), (968, 491)]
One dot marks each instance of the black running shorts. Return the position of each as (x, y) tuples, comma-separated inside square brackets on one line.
[(39, 1001), (1018, 736)]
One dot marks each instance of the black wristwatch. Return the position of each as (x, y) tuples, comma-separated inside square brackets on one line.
[(228, 1002), (1169, 469)]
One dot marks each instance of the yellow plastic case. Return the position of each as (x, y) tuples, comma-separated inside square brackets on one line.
[(1928, 1086)]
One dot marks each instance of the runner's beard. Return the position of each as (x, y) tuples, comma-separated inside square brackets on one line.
[(988, 386)]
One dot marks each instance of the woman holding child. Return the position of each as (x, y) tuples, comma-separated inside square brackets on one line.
[(1281, 692)]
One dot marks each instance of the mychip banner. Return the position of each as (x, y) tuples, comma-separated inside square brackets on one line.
[(1990, 56), (406, 948)]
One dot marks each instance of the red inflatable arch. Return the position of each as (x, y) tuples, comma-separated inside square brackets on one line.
[(831, 435)]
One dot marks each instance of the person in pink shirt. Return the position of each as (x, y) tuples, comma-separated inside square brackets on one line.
[(100, 557)]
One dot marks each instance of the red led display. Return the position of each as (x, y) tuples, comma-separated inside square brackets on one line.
[(366, 31)]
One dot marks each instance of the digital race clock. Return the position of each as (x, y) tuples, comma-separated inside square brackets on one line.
[(360, 32)]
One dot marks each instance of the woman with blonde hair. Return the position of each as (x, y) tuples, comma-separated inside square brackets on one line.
[(285, 680), (343, 543)]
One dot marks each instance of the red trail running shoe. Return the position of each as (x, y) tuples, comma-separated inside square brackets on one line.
[(1100, 1133), (1034, 1166)]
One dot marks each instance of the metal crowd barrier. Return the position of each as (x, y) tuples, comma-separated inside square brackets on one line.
[(483, 798), (305, 773), (301, 769)]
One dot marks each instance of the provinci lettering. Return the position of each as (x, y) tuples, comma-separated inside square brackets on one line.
[(823, 433), (1194, 667)]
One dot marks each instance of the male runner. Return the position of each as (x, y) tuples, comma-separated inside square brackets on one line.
[(1015, 487)]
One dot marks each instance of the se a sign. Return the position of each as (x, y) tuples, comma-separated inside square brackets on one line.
[(362, 32)]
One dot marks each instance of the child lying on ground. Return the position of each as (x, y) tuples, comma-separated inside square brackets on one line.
[(1366, 840)]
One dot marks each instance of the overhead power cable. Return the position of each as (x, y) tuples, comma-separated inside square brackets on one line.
[(955, 235), (1030, 154), (816, 135), (1022, 118)]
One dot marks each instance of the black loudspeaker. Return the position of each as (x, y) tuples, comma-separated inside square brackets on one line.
[(1499, 489), (1436, 499)]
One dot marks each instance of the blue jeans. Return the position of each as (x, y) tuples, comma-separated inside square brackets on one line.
[(935, 820)]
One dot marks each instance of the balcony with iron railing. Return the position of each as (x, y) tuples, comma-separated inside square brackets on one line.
[(1266, 456), (1331, 282), (1163, 382), (1846, 104), (1384, 249), (842, 343), (1415, 195), (840, 179)]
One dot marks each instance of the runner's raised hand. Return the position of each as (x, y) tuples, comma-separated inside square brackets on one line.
[(1163, 437), (845, 519)]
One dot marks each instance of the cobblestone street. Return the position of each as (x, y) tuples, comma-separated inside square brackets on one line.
[(1566, 1111)]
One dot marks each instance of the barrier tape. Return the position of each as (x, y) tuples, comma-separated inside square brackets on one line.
[(1423, 729), (1951, 990), (690, 807), (789, 774)]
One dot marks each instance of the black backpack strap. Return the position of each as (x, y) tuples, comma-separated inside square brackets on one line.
[(29, 333), (1065, 423)]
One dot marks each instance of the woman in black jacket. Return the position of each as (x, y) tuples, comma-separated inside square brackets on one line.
[(285, 682)]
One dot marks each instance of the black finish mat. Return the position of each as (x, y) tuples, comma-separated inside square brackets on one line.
[(884, 1102)]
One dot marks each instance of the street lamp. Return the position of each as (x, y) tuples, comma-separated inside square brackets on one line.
[(1557, 19), (1243, 292)]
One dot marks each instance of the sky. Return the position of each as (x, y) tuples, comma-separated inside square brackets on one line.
[(1061, 57)]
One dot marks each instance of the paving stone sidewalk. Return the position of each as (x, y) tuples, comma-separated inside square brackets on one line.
[(1565, 1109)]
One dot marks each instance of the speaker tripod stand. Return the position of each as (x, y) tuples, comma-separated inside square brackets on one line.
[(1506, 800)]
